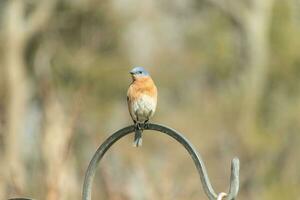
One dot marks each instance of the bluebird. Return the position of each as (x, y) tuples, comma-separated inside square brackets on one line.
[(142, 100)]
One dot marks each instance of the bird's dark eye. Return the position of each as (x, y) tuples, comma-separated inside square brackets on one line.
[(140, 72)]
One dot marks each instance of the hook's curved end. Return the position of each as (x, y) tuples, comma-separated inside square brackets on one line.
[(234, 179)]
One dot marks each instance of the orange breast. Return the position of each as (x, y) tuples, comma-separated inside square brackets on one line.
[(142, 86)]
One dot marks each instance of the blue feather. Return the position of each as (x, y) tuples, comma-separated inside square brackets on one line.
[(139, 71)]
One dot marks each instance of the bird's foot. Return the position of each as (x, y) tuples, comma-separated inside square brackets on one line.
[(142, 126), (146, 124), (138, 126)]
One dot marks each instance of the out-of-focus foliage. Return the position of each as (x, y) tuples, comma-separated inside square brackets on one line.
[(227, 75)]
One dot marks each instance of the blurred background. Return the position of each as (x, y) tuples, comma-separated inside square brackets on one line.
[(227, 72)]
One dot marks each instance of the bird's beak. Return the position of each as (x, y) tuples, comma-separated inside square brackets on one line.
[(131, 73)]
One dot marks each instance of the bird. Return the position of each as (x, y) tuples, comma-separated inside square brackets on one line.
[(141, 100)]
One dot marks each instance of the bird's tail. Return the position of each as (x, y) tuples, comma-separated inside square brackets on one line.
[(138, 138)]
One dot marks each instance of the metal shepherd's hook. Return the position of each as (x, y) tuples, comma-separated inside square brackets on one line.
[(209, 191)]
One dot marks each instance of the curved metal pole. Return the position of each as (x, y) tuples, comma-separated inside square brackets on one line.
[(211, 194)]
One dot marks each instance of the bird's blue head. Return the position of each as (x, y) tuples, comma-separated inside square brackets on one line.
[(138, 72)]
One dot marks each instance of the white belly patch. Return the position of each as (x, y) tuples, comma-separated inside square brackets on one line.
[(143, 108)]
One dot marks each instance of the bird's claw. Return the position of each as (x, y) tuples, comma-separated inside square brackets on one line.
[(138, 126), (146, 125), (141, 126)]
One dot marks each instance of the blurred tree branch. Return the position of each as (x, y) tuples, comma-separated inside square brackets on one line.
[(18, 91), (38, 18), (17, 33), (235, 10), (254, 21)]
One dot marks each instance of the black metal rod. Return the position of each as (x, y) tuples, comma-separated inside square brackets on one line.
[(211, 194)]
